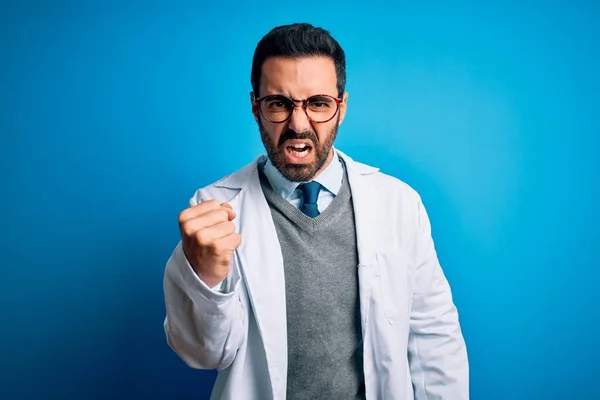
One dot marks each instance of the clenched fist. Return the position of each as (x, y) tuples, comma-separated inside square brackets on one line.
[(208, 239)]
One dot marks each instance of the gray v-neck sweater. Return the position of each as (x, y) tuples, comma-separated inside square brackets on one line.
[(321, 283)]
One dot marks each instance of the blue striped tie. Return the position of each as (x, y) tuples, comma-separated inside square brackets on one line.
[(310, 192)]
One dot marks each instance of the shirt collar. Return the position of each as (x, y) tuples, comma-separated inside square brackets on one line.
[(330, 178)]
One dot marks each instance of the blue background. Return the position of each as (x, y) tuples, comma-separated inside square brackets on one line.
[(112, 115)]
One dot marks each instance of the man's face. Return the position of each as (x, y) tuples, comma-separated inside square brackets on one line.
[(299, 147)]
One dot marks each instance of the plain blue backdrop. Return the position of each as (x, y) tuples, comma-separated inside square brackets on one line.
[(112, 114)]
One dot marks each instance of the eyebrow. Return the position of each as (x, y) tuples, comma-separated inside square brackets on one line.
[(279, 97)]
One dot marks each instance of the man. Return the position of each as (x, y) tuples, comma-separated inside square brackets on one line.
[(307, 275)]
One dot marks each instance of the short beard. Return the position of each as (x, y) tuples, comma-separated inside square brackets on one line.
[(298, 172)]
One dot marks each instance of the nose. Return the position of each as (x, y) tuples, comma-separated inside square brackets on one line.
[(299, 121)]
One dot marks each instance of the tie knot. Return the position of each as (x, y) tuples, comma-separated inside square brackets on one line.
[(310, 192)]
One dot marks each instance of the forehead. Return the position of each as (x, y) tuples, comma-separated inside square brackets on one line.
[(298, 77)]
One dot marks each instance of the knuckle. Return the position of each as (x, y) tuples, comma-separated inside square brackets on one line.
[(187, 230), (182, 217), (202, 237), (222, 215)]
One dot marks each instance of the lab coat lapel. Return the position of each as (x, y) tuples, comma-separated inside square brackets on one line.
[(365, 215)]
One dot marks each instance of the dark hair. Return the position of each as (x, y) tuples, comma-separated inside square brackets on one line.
[(298, 40)]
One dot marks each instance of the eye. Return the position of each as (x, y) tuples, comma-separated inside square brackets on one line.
[(277, 104), (320, 103)]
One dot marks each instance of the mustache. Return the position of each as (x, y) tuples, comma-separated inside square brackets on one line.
[(291, 134)]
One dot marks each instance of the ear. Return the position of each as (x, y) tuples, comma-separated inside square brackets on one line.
[(343, 108), (254, 107)]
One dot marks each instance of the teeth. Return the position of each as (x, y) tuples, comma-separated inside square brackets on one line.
[(299, 146), (300, 154)]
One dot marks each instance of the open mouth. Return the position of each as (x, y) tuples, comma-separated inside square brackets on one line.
[(300, 150), (297, 151)]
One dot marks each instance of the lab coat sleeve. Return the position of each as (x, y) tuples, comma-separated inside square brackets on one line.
[(437, 352), (204, 326)]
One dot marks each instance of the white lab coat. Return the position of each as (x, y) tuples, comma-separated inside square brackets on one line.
[(413, 345)]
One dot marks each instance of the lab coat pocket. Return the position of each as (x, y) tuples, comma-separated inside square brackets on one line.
[(394, 280)]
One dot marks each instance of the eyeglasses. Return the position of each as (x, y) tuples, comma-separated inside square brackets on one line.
[(279, 108)]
